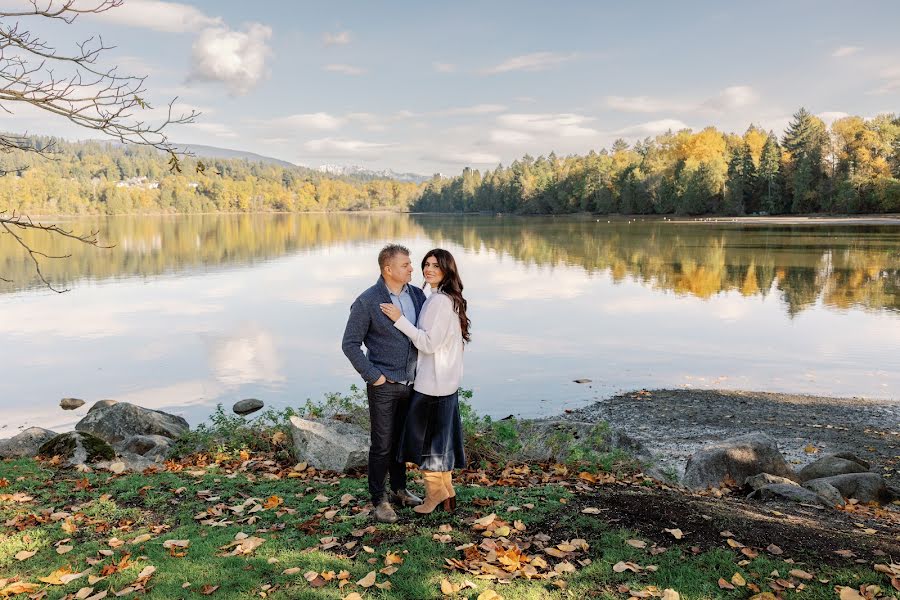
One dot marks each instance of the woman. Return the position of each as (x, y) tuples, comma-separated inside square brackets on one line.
[(433, 437)]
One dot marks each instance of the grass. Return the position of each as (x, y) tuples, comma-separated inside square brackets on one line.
[(164, 505)]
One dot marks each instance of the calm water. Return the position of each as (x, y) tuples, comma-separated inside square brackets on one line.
[(187, 312)]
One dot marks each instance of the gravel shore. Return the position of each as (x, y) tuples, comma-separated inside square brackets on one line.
[(672, 424)]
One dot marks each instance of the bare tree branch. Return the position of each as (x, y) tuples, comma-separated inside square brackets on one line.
[(71, 85)]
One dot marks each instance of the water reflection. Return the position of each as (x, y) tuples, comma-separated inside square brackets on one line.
[(187, 312), (841, 266)]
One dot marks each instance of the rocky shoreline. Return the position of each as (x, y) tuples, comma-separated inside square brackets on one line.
[(668, 426)]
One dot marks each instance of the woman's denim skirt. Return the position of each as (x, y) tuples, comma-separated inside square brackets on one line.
[(433, 436)]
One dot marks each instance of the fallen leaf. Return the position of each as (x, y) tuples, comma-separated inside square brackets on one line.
[(800, 574), (676, 533), (738, 580), (367, 581), (724, 584), (636, 543), (848, 593), (25, 554)]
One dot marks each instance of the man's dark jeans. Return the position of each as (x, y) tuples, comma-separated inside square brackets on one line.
[(388, 405)]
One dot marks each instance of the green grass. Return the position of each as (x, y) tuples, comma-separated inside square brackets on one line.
[(130, 505)]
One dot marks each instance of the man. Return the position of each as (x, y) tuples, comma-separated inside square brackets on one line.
[(389, 369)]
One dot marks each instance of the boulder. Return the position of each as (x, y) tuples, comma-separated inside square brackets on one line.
[(853, 457), (555, 440), (102, 404), (122, 420), (77, 448), (247, 406), (763, 479), (826, 492), (71, 403), (26, 443), (865, 487), (329, 444), (152, 447), (828, 466), (127, 461), (733, 460), (784, 491)]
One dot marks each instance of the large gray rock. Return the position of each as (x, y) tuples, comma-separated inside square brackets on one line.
[(26, 443), (247, 406), (102, 404), (122, 420), (826, 492), (830, 465), (733, 460), (152, 447), (77, 448), (329, 444), (865, 487), (784, 491), (71, 403), (763, 479)]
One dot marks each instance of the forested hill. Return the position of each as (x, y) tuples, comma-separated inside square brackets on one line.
[(95, 177), (853, 166)]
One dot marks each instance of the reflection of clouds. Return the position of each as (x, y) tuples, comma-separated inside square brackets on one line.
[(182, 393), (38, 317), (247, 356), (317, 296), (532, 345)]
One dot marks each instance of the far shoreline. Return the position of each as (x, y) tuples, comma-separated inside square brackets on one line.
[(808, 219)]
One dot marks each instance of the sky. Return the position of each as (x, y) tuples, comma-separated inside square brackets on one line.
[(430, 87)]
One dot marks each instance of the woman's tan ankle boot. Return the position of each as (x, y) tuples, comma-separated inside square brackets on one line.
[(435, 492), (450, 502)]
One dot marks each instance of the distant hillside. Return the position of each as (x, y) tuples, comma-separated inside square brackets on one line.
[(358, 172), (202, 151)]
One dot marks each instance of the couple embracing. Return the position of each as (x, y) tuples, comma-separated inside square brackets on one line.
[(412, 367)]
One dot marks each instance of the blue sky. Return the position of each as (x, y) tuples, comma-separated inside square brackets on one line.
[(435, 86)]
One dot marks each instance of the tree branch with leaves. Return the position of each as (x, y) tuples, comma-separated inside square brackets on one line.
[(75, 86)]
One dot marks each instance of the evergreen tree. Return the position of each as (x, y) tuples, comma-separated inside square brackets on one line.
[(806, 139), (768, 181)]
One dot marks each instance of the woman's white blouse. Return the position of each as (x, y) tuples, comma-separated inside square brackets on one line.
[(439, 341)]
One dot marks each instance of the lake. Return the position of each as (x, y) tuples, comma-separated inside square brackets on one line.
[(185, 312)]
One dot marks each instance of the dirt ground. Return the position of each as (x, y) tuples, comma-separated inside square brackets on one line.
[(798, 530), (672, 424)]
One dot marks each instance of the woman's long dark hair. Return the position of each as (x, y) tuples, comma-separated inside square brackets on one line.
[(451, 285)]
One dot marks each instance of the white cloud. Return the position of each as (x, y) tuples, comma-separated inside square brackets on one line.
[(646, 104), (466, 158), (730, 98), (830, 116), (236, 58), (345, 69), (560, 125), (508, 136), (341, 38), (734, 97), (890, 77), (216, 129), (536, 61), (444, 67), (846, 51), (652, 127), (342, 147), (170, 17), (478, 109), (319, 120)]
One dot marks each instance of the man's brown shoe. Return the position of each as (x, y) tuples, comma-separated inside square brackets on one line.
[(384, 512), (404, 497)]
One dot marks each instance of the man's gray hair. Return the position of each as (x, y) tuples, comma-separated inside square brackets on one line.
[(389, 252)]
